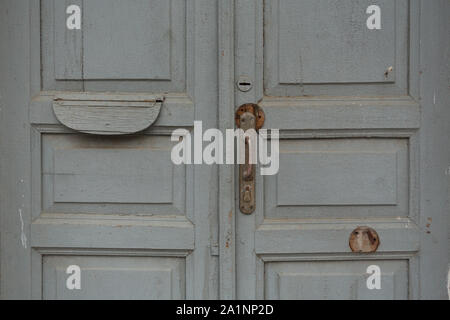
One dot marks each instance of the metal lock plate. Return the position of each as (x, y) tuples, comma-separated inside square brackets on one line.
[(248, 116), (244, 83), (364, 239)]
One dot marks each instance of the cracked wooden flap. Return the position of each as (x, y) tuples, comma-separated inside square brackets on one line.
[(107, 113)]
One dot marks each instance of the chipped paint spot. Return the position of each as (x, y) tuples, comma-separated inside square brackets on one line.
[(23, 237), (388, 70), (448, 283)]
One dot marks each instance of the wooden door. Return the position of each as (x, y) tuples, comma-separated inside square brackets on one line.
[(136, 225), (363, 118), (347, 100)]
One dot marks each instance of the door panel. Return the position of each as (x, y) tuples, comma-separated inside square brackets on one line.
[(313, 171), (126, 175), (104, 277), (348, 149), (143, 41), (324, 48), (106, 192), (136, 225), (334, 280), (343, 45)]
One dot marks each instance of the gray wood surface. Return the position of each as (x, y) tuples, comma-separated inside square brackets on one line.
[(358, 148), (107, 114), (434, 94), (324, 48), (138, 226), (341, 120)]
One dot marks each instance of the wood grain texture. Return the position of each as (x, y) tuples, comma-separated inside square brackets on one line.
[(164, 277), (300, 250), (112, 231), (227, 213), (319, 87), (325, 48), (144, 42), (107, 114), (15, 189), (28, 87), (434, 94), (334, 280), (294, 236)]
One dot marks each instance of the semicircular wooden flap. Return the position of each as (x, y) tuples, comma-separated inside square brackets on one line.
[(107, 113)]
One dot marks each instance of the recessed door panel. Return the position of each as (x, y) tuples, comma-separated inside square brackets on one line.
[(340, 178), (127, 175), (115, 278), (335, 280), (326, 48), (342, 96), (139, 40)]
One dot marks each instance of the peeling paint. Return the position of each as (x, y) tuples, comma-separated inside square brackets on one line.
[(23, 237)]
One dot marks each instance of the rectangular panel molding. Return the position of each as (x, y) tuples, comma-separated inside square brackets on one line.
[(109, 175), (340, 178), (331, 280), (115, 277), (110, 45), (112, 232), (112, 176), (331, 178), (333, 48), (325, 48), (130, 46)]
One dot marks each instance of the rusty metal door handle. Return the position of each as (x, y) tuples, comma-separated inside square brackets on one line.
[(248, 168), (248, 116)]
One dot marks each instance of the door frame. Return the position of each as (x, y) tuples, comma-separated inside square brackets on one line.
[(227, 210)]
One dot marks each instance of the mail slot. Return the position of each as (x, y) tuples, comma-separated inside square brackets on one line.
[(107, 114)]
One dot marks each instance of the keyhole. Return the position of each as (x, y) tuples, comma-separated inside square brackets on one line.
[(244, 83)]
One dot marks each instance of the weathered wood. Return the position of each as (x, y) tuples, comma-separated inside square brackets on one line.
[(341, 113), (87, 213), (384, 135), (320, 48), (107, 114), (177, 110), (341, 119), (226, 208), (434, 95), (15, 191), (68, 44), (294, 236), (155, 278), (112, 231), (111, 48), (330, 280)]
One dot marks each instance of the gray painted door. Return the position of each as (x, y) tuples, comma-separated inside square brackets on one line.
[(138, 226), (347, 101), (363, 116)]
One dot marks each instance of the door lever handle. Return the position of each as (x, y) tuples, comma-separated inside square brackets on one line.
[(248, 168), (248, 116)]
